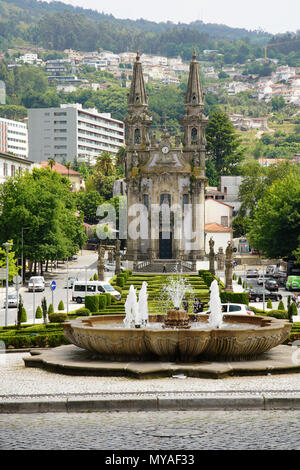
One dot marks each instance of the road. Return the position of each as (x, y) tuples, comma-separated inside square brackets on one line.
[(84, 267), (160, 430)]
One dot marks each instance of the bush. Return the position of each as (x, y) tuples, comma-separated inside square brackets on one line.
[(234, 277), (83, 312), (23, 315), (102, 302), (235, 297), (92, 303), (269, 303), (108, 299), (240, 281), (120, 281), (38, 312), (281, 315), (292, 311), (118, 289), (281, 305), (95, 277), (57, 317), (50, 309), (61, 306)]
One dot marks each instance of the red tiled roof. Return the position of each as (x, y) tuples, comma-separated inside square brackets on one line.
[(61, 169), (217, 228)]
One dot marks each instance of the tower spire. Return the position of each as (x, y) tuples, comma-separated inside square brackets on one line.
[(137, 95), (194, 92)]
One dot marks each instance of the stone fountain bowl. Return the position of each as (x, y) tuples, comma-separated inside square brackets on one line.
[(244, 337)]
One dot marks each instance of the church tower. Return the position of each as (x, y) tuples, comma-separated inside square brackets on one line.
[(165, 177)]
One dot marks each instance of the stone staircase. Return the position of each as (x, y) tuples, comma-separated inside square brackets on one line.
[(172, 266)]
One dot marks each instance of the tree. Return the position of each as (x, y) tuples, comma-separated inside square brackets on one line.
[(223, 145), (42, 201), (275, 227), (87, 203)]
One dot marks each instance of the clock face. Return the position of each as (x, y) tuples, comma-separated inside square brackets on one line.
[(165, 150)]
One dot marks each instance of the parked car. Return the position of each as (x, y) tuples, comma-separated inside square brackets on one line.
[(252, 273), (82, 288), (12, 300), (234, 309), (271, 285), (261, 279), (112, 267), (255, 252), (271, 269), (293, 283), (36, 283), (69, 283), (257, 295)]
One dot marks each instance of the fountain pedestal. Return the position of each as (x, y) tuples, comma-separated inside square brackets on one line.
[(177, 319)]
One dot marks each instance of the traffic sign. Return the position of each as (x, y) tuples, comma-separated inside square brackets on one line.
[(2, 273), (53, 285), (17, 279)]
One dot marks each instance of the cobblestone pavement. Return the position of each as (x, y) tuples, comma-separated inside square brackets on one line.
[(174, 430), (18, 381)]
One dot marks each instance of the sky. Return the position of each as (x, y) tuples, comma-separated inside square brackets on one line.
[(273, 16)]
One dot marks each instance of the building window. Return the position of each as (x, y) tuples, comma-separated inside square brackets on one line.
[(224, 220), (145, 200), (165, 199), (185, 200), (194, 135), (13, 170), (4, 169), (137, 136)]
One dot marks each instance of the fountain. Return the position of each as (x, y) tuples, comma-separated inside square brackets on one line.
[(176, 335)]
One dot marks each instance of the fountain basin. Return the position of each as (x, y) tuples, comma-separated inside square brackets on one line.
[(107, 337)]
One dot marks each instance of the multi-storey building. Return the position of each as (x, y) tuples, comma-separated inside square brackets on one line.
[(13, 137), (71, 131)]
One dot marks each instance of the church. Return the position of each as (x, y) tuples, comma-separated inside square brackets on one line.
[(165, 177)]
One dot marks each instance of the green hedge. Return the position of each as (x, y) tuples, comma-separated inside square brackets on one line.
[(57, 317), (102, 302), (82, 312), (92, 303), (235, 297)]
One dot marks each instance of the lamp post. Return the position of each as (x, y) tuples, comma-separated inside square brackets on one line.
[(22, 256), (7, 246)]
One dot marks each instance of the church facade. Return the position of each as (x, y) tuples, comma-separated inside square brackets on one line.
[(165, 177)]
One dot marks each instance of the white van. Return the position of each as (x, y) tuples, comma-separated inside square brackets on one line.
[(82, 288)]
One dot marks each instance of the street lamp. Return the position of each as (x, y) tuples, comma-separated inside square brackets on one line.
[(7, 246), (22, 256)]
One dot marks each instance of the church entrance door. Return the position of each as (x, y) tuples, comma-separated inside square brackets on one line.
[(165, 245)]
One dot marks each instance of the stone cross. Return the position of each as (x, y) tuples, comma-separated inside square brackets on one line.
[(118, 257), (211, 257), (228, 267)]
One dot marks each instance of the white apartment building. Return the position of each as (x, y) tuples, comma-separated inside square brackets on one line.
[(13, 137), (10, 165), (68, 131)]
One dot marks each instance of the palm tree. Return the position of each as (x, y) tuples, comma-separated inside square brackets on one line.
[(68, 166), (105, 164), (51, 162), (121, 154)]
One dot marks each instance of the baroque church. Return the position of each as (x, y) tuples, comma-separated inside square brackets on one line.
[(165, 177)]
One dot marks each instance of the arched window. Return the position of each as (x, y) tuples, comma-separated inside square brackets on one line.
[(137, 136), (194, 99), (194, 135)]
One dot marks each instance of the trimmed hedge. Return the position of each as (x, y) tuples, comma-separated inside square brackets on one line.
[(83, 312), (235, 297), (92, 303), (57, 317), (61, 306), (102, 302)]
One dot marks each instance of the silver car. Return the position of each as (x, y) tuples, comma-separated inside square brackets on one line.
[(12, 300), (36, 284)]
